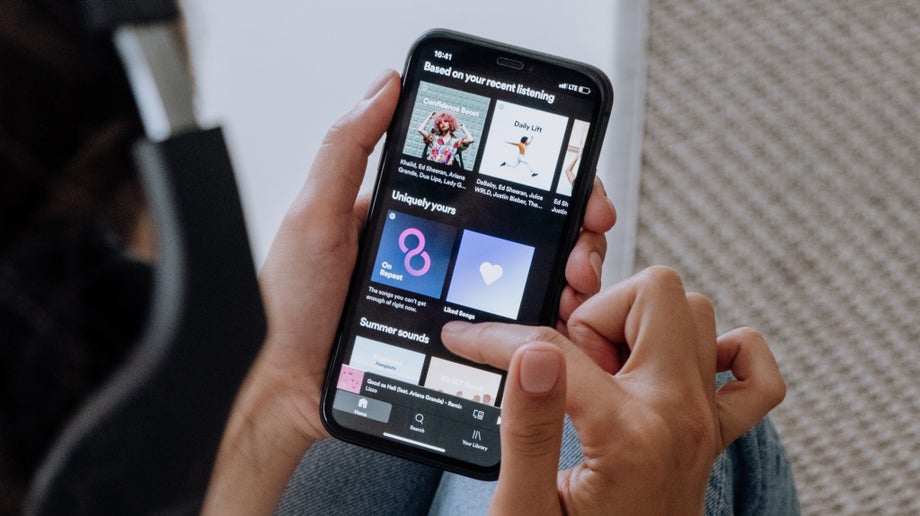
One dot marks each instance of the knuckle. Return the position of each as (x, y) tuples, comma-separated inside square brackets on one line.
[(775, 388), (346, 132), (542, 334), (533, 439), (337, 132), (701, 304), (749, 335), (771, 382), (578, 327), (661, 276), (600, 244)]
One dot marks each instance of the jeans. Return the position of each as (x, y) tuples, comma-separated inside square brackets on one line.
[(752, 476)]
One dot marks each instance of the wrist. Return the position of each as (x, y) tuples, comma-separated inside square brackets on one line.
[(261, 447), (262, 421)]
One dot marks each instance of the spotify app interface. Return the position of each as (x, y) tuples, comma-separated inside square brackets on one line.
[(472, 207)]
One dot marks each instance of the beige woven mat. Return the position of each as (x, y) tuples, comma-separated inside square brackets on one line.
[(781, 175)]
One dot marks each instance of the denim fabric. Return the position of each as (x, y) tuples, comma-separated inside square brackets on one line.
[(342, 479), (752, 477)]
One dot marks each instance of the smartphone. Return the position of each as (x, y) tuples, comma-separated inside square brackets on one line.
[(483, 182)]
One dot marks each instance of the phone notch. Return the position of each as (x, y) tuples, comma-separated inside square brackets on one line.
[(510, 63)]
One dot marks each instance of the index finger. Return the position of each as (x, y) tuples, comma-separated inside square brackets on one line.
[(495, 344)]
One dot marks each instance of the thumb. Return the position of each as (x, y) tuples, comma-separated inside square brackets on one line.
[(337, 171), (322, 222), (531, 431)]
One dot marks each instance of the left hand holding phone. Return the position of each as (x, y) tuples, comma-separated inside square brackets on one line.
[(304, 282)]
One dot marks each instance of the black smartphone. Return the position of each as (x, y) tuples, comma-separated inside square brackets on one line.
[(483, 182)]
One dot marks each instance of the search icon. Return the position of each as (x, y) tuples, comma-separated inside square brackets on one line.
[(420, 419)]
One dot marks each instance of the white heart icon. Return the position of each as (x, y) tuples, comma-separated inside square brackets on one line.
[(490, 273)]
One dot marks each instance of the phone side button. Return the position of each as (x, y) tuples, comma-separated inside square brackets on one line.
[(363, 406)]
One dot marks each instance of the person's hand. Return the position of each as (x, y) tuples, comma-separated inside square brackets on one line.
[(585, 265), (637, 377), (304, 281), (275, 418)]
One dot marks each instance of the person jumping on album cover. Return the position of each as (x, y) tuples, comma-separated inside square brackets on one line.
[(441, 144), (570, 170), (522, 148)]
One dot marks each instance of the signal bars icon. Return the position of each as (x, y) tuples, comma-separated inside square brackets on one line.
[(584, 90)]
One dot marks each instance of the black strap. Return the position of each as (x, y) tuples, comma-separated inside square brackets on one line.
[(110, 14), (147, 442)]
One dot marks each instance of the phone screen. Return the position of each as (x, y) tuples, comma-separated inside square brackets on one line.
[(483, 179)]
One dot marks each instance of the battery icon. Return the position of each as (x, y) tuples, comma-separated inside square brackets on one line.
[(584, 90)]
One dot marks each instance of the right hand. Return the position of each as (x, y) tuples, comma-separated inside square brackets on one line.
[(637, 376)]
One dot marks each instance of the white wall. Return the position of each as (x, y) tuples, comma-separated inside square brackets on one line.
[(276, 73)]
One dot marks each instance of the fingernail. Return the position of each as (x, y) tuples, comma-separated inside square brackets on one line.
[(597, 263), (378, 84), (539, 371), (455, 326)]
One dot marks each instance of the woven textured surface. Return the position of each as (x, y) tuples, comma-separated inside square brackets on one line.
[(781, 176)]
